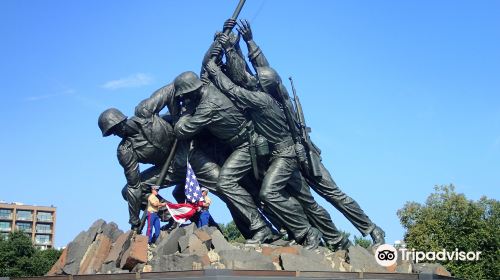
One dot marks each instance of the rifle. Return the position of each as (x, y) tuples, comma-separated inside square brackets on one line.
[(288, 111), (313, 159)]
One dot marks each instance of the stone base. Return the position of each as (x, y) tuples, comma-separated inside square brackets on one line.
[(106, 250)]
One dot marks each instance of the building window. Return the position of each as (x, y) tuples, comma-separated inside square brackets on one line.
[(44, 217), (4, 226), (24, 227), (24, 215), (4, 235), (5, 214), (42, 239), (43, 228)]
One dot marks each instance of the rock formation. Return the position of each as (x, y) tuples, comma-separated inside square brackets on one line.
[(104, 249)]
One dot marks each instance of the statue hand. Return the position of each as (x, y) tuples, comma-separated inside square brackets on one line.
[(216, 35), (204, 78), (301, 152), (216, 50), (211, 67), (229, 24), (245, 30), (224, 41)]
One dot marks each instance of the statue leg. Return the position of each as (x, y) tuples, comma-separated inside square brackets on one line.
[(207, 173), (237, 165), (280, 203), (328, 189), (137, 195), (133, 196), (252, 185), (316, 214), (179, 194)]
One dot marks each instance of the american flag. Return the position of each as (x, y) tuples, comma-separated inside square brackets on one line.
[(181, 212), (192, 188)]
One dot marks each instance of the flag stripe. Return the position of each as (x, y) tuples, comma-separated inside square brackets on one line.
[(181, 212)]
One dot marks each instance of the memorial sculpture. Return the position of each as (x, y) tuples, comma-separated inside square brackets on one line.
[(268, 162), (315, 173)]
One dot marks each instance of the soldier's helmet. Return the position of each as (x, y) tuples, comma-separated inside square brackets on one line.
[(186, 82), (268, 79), (108, 119)]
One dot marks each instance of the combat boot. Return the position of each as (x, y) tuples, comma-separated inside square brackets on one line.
[(279, 235), (343, 244), (135, 229), (171, 228), (263, 235), (378, 236), (312, 239)]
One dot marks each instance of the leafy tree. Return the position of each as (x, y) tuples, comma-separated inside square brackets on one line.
[(344, 233), (363, 242), (450, 221), (19, 258), (43, 260), (15, 255), (231, 232)]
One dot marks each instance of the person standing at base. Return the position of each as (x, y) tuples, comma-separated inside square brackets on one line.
[(153, 220), (204, 217)]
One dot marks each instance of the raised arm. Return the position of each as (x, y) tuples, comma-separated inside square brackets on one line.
[(161, 98), (191, 124), (245, 99), (255, 54), (236, 67)]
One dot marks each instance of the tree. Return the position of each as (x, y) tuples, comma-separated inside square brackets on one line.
[(363, 242), (450, 221), (19, 258), (43, 260), (231, 232)]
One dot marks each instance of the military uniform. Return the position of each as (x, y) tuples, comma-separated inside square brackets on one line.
[(150, 145), (217, 114), (269, 122), (325, 186), (237, 69)]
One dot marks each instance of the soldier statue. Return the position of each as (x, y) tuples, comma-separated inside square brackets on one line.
[(324, 185), (147, 138), (252, 120)]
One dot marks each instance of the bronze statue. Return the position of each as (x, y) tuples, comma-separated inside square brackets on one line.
[(269, 122), (205, 107), (269, 162), (147, 138), (317, 176)]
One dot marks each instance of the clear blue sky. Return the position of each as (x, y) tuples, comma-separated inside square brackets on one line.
[(401, 95)]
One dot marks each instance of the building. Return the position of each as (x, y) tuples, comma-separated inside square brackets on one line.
[(36, 221)]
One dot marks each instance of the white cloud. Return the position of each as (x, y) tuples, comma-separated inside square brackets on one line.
[(48, 96), (136, 80)]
